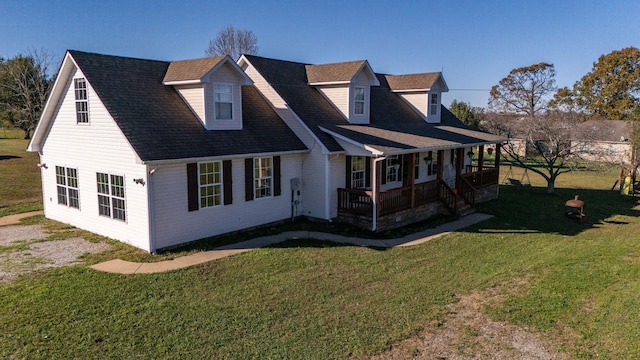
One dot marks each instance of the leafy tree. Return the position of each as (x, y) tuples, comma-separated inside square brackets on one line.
[(24, 88), (612, 88), (524, 91), (233, 42), (469, 115)]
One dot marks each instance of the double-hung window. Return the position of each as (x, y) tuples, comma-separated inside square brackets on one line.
[(393, 168), (358, 100), (210, 184), (223, 101), (263, 177), (82, 102), (111, 198), (433, 105), (358, 172), (67, 185)]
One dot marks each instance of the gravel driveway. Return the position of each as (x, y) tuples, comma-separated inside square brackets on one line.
[(22, 251)]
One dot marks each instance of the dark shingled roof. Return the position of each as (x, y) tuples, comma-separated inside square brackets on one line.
[(412, 81), (191, 69), (337, 72), (160, 126), (394, 124)]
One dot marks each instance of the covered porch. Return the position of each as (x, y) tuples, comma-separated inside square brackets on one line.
[(379, 208)]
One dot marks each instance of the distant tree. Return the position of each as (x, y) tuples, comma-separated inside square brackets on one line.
[(612, 88), (24, 88), (233, 42), (524, 91), (469, 115)]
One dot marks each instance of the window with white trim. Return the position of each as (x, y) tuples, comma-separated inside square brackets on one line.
[(67, 186), (416, 166), (358, 100), (111, 198), (82, 102), (358, 172), (263, 177), (394, 165), (223, 101), (210, 184), (433, 104)]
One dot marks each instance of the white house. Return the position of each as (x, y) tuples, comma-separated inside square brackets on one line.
[(158, 154)]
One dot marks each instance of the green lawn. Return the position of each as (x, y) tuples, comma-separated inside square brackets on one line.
[(579, 282), (20, 182)]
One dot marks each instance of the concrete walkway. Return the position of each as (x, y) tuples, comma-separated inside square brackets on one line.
[(126, 267)]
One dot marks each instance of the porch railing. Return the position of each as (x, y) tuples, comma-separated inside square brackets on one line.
[(359, 202), (478, 179), (355, 201), (449, 196), (468, 191)]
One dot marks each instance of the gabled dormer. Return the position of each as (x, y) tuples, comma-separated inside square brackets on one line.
[(347, 86), (422, 91), (212, 87)]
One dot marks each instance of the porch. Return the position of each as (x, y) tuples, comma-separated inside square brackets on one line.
[(415, 202)]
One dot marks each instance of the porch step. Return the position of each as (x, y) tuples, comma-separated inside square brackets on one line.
[(465, 209)]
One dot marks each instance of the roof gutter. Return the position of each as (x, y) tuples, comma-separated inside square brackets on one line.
[(220, 157)]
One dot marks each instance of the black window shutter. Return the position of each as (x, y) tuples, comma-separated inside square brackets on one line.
[(227, 182), (347, 183), (383, 172), (248, 179), (192, 186), (277, 187), (367, 172)]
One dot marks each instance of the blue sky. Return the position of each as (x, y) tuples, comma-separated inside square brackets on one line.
[(474, 43)]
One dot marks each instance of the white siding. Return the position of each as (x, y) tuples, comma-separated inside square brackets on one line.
[(313, 196), (228, 75), (418, 101), (338, 96), (95, 147), (337, 180), (174, 224), (193, 95)]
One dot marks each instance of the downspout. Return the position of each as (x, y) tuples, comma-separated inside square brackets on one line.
[(151, 210), (375, 190)]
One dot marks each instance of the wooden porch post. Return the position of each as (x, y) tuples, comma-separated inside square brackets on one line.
[(459, 165), (376, 193), (497, 161), (412, 178), (440, 165), (480, 157)]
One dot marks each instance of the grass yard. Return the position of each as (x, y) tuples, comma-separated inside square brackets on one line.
[(578, 283), (20, 182)]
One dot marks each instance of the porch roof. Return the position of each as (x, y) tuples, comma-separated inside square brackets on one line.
[(399, 140)]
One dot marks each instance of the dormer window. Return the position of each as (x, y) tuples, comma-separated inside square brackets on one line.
[(223, 97), (358, 100), (433, 105)]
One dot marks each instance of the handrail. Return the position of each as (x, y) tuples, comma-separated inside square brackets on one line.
[(449, 196), (468, 192)]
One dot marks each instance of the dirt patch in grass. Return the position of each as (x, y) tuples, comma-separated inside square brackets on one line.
[(468, 333), (25, 250)]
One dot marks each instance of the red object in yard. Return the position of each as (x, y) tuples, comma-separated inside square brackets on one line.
[(576, 210)]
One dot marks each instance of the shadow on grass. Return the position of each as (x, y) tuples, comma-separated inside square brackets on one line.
[(533, 210), (8, 157)]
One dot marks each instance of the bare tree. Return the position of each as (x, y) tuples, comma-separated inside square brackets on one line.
[(549, 145), (539, 140), (24, 88), (233, 42)]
